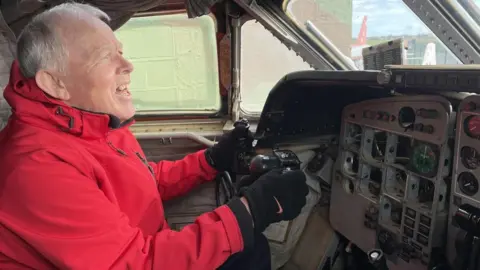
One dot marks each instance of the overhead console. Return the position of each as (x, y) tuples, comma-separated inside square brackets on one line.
[(410, 78)]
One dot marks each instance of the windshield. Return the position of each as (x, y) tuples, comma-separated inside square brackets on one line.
[(352, 25)]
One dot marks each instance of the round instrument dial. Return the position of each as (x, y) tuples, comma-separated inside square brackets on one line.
[(468, 183), (406, 117), (424, 159), (472, 126), (470, 157)]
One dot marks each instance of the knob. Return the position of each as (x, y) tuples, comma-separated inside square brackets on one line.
[(377, 259), (384, 77)]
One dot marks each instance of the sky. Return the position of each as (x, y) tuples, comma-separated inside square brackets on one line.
[(386, 17)]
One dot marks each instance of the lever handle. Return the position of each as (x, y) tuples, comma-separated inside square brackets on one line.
[(242, 121), (377, 258)]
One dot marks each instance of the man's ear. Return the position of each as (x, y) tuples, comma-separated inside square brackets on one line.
[(52, 85)]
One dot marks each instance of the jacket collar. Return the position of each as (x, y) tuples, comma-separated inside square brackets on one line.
[(30, 104)]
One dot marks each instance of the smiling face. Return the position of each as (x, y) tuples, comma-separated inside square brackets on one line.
[(97, 76)]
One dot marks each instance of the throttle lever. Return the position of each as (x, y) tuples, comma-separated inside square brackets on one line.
[(377, 258)]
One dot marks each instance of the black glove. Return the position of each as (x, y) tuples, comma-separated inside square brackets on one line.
[(221, 155), (245, 181), (289, 188)]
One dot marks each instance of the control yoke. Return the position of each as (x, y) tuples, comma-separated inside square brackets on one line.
[(256, 166), (280, 159)]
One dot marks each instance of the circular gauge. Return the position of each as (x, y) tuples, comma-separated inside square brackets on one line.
[(470, 157), (472, 126), (467, 183), (424, 159), (406, 117)]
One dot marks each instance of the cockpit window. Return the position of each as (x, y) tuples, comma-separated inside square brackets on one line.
[(352, 25), (175, 60), (264, 61)]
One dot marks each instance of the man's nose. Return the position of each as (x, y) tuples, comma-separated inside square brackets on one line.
[(127, 66)]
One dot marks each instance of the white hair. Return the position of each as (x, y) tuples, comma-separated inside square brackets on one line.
[(40, 44)]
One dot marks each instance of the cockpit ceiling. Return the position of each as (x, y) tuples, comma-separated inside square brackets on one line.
[(17, 13)]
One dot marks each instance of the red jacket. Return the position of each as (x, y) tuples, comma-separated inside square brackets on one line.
[(77, 193)]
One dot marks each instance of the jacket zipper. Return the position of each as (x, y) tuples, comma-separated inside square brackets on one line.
[(144, 161), (118, 150)]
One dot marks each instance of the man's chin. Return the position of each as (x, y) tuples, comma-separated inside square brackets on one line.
[(123, 116)]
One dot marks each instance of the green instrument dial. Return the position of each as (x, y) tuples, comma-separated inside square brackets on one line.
[(424, 159)]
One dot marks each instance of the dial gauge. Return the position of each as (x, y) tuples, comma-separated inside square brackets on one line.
[(472, 126), (470, 157), (468, 183), (424, 159)]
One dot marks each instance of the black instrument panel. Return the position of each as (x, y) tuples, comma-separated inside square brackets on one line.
[(310, 103)]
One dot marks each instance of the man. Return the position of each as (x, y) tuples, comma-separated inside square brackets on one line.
[(76, 191)]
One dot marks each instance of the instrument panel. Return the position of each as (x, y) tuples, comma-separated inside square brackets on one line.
[(466, 170), (406, 173), (389, 189)]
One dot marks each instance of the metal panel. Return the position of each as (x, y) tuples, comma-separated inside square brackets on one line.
[(436, 17)]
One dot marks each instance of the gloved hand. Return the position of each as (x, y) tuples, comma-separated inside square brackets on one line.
[(289, 189), (245, 181), (221, 155)]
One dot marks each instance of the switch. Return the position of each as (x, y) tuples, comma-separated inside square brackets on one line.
[(386, 117), (427, 113), (418, 127), (423, 230), (425, 220), (409, 222), (411, 213), (428, 129), (422, 240), (408, 232)]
